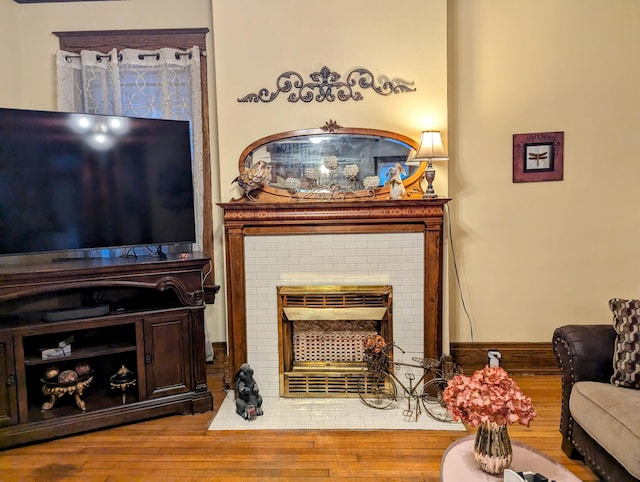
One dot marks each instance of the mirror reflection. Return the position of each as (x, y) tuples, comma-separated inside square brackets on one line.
[(349, 162)]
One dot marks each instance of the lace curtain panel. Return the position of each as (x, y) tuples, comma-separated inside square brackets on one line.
[(163, 83)]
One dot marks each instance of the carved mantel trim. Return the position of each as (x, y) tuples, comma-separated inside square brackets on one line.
[(263, 219), (378, 211)]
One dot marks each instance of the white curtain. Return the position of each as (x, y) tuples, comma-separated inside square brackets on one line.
[(162, 83)]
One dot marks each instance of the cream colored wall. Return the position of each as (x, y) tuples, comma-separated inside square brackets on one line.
[(256, 41), (32, 25), (530, 256), (535, 256), (9, 55)]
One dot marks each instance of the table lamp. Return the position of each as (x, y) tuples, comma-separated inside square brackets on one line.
[(430, 150)]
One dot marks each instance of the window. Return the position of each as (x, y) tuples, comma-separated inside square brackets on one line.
[(110, 43)]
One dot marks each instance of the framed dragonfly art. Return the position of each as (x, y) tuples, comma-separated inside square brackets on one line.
[(538, 157)]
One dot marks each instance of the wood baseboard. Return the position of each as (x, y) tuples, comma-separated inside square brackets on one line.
[(219, 349), (517, 358)]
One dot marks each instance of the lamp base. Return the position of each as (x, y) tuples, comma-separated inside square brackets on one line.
[(429, 175), (427, 193)]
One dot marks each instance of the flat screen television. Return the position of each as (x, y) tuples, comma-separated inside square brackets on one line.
[(73, 182)]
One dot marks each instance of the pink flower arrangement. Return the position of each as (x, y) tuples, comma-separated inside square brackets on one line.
[(374, 344), (488, 396)]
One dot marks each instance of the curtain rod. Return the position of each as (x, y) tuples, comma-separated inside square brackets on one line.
[(100, 57)]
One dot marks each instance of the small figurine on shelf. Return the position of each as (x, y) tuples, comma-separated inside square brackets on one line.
[(123, 379), (248, 400), (57, 383), (396, 186)]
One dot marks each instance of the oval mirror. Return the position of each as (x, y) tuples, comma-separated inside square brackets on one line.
[(332, 163)]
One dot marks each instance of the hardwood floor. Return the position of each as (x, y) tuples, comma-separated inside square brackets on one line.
[(181, 448)]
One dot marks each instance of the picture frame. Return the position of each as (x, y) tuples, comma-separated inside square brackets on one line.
[(538, 157)]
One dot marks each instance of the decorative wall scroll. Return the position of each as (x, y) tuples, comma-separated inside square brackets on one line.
[(326, 85)]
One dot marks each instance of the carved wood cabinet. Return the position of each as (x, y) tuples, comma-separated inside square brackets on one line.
[(153, 325)]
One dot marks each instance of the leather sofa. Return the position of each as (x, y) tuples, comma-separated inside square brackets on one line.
[(599, 422)]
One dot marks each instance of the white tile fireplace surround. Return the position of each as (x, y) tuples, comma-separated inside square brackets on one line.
[(395, 259), (379, 242)]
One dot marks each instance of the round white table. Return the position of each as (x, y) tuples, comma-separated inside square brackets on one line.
[(458, 464)]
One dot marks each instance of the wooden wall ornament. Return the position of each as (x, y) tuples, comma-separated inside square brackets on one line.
[(326, 85)]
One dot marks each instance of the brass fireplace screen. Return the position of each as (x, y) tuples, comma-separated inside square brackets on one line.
[(321, 332)]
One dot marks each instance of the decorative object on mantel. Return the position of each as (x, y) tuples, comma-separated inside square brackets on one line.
[(538, 157), (253, 178), (248, 398), (430, 150), (328, 85), (330, 163), (396, 186), (331, 126), (490, 400), (325, 185)]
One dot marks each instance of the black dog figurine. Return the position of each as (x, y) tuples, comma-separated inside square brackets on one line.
[(248, 400)]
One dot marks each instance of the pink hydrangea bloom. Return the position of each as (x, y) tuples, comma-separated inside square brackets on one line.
[(488, 396)]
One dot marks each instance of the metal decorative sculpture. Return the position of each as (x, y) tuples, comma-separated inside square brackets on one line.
[(331, 126), (324, 183), (253, 178), (326, 85)]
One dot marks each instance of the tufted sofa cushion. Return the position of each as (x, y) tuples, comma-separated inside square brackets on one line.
[(611, 416), (626, 357)]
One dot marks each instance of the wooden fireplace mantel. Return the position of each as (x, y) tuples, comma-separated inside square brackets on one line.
[(245, 218)]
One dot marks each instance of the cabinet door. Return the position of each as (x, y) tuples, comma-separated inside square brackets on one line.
[(8, 389), (167, 355)]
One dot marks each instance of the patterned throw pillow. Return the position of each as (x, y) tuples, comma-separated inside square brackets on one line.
[(626, 357)]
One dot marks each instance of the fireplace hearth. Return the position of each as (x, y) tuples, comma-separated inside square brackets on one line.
[(322, 330)]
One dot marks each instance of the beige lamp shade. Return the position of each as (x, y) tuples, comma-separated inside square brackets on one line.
[(431, 148)]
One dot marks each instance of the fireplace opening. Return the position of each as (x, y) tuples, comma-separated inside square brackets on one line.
[(322, 330)]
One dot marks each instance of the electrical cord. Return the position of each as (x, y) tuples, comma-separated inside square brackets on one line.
[(455, 268), (206, 275)]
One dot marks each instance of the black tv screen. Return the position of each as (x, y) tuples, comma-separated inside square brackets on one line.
[(77, 181)]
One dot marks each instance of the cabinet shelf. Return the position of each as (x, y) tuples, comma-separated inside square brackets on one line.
[(97, 400), (80, 353)]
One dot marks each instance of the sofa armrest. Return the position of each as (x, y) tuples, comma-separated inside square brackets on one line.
[(584, 353)]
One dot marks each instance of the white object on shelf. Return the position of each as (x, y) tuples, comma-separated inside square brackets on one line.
[(57, 352), (66, 342)]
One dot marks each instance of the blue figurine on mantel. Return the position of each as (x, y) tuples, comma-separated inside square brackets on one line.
[(248, 398)]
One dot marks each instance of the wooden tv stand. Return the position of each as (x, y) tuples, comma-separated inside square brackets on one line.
[(154, 327)]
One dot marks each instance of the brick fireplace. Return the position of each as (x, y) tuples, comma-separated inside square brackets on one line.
[(397, 244)]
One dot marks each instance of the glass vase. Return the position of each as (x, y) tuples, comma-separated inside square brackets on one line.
[(492, 448)]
